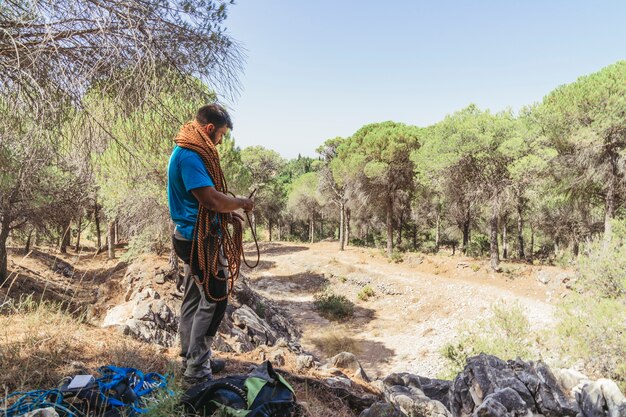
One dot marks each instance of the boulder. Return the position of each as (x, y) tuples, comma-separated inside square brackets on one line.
[(601, 398), (405, 391), (381, 409), (259, 331), (533, 383), (349, 362)]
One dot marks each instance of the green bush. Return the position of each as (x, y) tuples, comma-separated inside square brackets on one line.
[(478, 245), (506, 335), (333, 307), (396, 257), (592, 325), (365, 293)]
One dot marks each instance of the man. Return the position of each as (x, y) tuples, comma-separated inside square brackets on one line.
[(201, 210)]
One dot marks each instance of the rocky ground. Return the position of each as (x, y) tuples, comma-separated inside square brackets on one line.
[(417, 307), (419, 304)]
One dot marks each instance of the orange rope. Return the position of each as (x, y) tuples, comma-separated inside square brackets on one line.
[(212, 233)]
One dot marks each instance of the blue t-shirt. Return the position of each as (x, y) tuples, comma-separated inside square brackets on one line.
[(185, 172)]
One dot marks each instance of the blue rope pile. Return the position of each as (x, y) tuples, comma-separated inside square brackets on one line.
[(116, 389)]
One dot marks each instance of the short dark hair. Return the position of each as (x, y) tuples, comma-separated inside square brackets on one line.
[(214, 113)]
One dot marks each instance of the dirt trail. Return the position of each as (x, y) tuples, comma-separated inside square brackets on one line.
[(418, 306)]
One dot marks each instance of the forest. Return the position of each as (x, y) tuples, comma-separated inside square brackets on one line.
[(90, 112)]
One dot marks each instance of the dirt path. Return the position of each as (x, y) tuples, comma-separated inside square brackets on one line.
[(418, 306)]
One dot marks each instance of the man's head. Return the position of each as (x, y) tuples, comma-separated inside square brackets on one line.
[(215, 120)]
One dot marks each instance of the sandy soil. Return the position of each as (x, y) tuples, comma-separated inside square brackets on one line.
[(419, 304)]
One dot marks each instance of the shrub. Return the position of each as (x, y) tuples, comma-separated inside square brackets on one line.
[(478, 245), (592, 326), (506, 334), (333, 307), (365, 293), (334, 342), (396, 257)]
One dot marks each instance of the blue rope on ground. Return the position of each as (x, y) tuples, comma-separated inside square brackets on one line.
[(113, 380)]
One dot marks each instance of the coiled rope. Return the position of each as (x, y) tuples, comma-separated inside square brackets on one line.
[(212, 235)]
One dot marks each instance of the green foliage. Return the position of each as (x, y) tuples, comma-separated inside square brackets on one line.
[(478, 245), (365, 293), (333, 307), (505, 334), (592, 326), (603, 269), (396, 257)]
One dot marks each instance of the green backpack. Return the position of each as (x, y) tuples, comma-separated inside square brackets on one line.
[(261, 393)]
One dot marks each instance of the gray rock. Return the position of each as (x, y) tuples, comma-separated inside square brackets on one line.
[(159, 278), (601, 399), (534, 383), (339, 381), (381, 409), (513, 404), (569, 378), (347, 360), (258, 329), (404, 391), (42, 412), (435, 389), (304, 362), (543, 277)]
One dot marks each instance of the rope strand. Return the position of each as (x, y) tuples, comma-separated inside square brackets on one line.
[(212, 236)]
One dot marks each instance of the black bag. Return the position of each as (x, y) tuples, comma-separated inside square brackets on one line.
[(262, 393)]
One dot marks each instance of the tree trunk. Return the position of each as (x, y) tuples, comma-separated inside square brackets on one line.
[(311, 229), (27, 246), (79, 227), (494, 254), (269, 226), (117, 232), (111, 240), (532, 242), (65, 238), (505, 244), (437, 235), (96, 218), (400, 226), (609, 211), (342, 234), (414, 236), (466, 232), (347, 226), (4, 236), (520, 233), (389, 225)]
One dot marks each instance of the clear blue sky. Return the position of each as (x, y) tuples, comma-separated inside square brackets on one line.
[(317, 69)]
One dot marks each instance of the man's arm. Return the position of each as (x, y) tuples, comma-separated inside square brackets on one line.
[(214, 200)]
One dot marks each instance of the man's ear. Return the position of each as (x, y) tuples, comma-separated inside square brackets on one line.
[(210, 127)]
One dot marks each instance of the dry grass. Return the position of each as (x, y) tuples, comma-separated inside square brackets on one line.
[(40, 344), (333, 342)]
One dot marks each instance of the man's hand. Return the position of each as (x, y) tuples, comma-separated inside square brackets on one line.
[(247, 204)]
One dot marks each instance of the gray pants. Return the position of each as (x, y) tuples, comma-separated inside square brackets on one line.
[(196, 314), (199, 320)]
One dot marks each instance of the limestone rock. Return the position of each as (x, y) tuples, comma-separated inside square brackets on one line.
[(304, 362), (601, 399), (347, 361), (533, 382), (261, 333), (381, 409)]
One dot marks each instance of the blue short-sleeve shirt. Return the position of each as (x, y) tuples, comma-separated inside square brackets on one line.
[(185, 172)]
